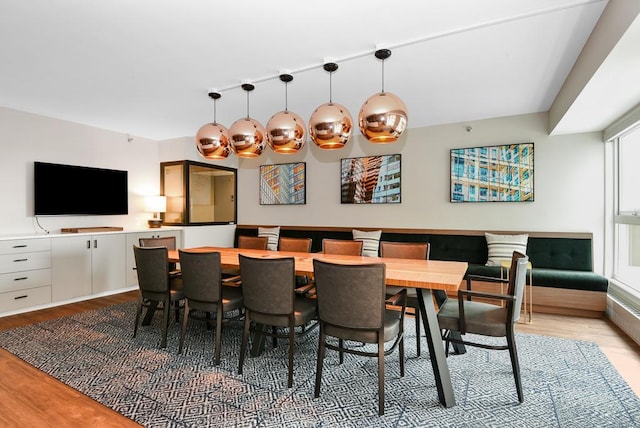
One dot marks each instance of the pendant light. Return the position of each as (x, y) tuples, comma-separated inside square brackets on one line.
[(212, 139), (330, 124), (247, 135), (285, 129), (383, 116)]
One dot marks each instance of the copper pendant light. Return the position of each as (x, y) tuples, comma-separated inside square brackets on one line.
[(383, 116), (212, 139), (330, 124), (285, 129), (247, 135)]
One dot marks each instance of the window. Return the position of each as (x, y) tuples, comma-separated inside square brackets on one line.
[(627, 220)]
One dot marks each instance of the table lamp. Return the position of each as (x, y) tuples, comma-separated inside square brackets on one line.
[(155, 205)]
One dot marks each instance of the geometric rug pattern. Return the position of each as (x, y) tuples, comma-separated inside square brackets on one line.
[(566, 383)]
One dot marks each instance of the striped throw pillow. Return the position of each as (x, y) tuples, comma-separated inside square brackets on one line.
[(272, 234), (370, 241), (501, 247)]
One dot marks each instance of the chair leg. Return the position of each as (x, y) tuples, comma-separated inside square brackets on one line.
[(218, 333), (418, 319), (341, 345), (320, 362), (401, 355), (515, 365), (183, 330), (165, 323), (380, 376), (138, 313), (292, 338), (245, 337)]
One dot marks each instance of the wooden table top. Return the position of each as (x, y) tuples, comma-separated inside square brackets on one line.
[(431, 274)]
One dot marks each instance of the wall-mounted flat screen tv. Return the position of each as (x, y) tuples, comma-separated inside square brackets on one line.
[(79, 190)]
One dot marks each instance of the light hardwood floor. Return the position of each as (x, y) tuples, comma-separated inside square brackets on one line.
[(31, 398)]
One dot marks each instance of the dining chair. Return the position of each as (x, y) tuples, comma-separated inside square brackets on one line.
[(298, 245), (204, 293), (342, 247), (164, 241), (352, 308), (253, 242), (464, 315), (407, 250), (156, 286), (269, 300)]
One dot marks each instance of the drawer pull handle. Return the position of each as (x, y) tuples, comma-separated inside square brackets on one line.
[(20, 297), (20, 246), (22, 278), (20, 260)]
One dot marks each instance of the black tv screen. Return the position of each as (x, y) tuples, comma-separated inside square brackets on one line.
[(79, 190)]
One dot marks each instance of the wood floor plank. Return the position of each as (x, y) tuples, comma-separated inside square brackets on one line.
[(31, 398)]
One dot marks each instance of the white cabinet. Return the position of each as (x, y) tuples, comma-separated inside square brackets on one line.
[(87, 264), (133, 239), (25, 273)]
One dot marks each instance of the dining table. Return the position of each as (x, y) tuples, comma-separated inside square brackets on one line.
[(426, 276)]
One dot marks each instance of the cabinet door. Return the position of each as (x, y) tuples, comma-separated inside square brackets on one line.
[(70, 267), (107, 262), (133, 239)]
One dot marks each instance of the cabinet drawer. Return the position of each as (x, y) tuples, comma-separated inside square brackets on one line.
[(21, 299), (25, 245), (24, 261), (22, 280)]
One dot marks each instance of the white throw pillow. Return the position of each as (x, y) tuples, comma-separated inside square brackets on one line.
[(501, 247), (272, 234), (370, 241)]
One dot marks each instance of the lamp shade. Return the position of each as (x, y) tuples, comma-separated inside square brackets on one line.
[(155, 204), (330, 126), (212, 141), (383, 118), (247, 137), (285, 132)]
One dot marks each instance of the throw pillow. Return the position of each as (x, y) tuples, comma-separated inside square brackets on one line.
[(370, 241), (501, 247), (272, 234)]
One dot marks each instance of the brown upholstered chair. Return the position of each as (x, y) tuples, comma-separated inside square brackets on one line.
[(156, 286), (465, 315), (342, 247), (345, 315), (407, 250), (204, 293), (269, 300), (253, 242), (165, 241), (298, 245)]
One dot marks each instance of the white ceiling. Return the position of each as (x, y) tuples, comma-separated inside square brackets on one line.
[(144, 67)]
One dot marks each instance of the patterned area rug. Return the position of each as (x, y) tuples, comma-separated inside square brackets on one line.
[(566, 383)]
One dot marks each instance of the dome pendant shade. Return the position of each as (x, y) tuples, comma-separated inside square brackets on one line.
[(383, 118), (330, 126), (212, 141), (247, 137), (285, 132)]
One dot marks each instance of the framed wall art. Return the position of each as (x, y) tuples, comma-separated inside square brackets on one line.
[(283, 184), (370, 180), (501, 173)]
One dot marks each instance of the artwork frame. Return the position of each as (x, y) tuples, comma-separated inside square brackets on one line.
[(283, 184), (371, 180), (497, 173)]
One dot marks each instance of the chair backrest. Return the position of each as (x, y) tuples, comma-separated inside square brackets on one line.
[(268, 284), (342, 247), (167, 241), (152, 269), (253, 242), (300, 245), (517, 282), (201, 276), (350, 296), (405, 250)]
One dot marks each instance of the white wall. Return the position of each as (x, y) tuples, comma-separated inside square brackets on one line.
[(569, 178)]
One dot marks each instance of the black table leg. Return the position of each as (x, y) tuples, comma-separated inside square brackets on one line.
[(441, 297), (151, 309), (436, 348), (258, 340)]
